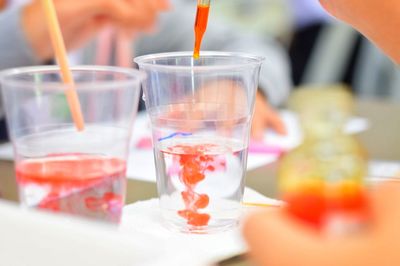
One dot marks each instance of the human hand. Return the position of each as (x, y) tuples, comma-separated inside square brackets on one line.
[(224, 102), (265, 117), (81, 20), (2, 4), (276, 239), (378, 20), (221, 105)]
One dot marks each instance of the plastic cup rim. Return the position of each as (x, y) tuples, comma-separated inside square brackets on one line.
[(135, 78), (144, 61)]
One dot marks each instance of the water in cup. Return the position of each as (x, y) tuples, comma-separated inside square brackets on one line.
[(200, 174), (61, 169), (200, 181), (84, 184), (200, 113)]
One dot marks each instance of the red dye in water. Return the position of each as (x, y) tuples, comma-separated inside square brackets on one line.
[(85, 185), (194, 163)]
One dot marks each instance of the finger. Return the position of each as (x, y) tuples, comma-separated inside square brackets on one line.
[(143, 14), (84, 33), (274, 240), (385, 223), (161, 5), (151, 29), (165, 4), (324, 4), (276, 122), (382, 198), (124, 13), (258, 127), (267, 113), (2, 4)]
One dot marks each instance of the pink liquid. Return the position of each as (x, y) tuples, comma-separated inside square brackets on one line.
[(193, 164), (200, 183), (85, 185)]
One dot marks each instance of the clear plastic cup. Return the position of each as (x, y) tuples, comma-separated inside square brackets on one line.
[(59, 168), (201, 114)]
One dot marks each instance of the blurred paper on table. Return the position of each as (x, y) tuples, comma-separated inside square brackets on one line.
[(141, 239), (294, 135), (30, 237), (141, 160)]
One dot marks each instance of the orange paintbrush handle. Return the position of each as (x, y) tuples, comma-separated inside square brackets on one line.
[(61, 56)]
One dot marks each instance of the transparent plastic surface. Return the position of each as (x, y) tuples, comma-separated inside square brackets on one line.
[(200, 112), (57, 167)]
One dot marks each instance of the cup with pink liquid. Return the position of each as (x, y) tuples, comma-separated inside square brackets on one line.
[(59, 168)]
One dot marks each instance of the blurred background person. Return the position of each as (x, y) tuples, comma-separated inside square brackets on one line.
[(175, 32), (309, 20), (24, 38), (322, 50), (377, 22)]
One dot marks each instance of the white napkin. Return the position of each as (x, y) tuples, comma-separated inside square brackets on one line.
[(144, 219)]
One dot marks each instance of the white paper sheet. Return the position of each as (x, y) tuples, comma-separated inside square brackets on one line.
[(144, 218), (45, 239)]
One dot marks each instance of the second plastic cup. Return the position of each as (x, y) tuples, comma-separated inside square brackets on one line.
[(57, 167), (201, 114)]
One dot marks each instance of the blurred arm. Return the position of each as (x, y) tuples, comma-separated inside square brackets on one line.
[(379, 21), (14, 48), (2, 4)]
